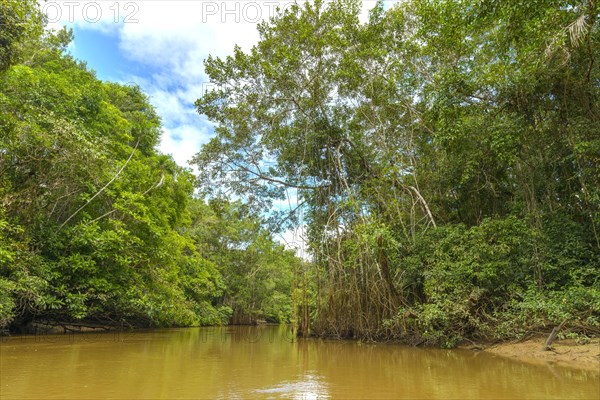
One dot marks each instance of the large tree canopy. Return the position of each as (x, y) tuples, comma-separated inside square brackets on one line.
[(432, 127)]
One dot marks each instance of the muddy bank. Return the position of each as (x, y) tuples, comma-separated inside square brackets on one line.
[(566, 353)]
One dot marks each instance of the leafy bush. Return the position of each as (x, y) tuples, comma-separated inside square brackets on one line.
[(481, 282)]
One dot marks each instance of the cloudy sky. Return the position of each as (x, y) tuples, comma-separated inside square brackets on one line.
[(161, 45)]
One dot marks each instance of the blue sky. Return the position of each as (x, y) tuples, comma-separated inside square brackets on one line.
[(101, 51)]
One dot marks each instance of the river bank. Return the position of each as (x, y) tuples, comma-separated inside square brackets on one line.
[(566, 352)]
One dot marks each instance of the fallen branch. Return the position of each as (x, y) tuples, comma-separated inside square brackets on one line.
[(552, 337)]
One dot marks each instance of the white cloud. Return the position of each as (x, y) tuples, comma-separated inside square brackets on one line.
[(179, 35), (183, 142), (173, 107)]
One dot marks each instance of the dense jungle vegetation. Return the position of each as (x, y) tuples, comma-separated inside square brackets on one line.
[(445, 156), (96, 226)]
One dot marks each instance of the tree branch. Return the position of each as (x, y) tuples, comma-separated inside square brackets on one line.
[(103, 188)]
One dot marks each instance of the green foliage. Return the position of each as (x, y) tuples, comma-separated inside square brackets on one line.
[(538, 310), (468, 277), (482, 264), (256, 271), (7, 304), (95, 224), (445, 157), (20, 21), (484, 282)]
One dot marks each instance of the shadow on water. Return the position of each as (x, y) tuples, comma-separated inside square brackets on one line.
[(266, 362)]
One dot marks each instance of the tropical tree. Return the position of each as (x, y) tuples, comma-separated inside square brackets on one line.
[(410, 135)]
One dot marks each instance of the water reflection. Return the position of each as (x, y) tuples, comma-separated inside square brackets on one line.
[(265, 362), (306, 387)]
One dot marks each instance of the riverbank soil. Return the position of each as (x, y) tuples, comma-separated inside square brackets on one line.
[(564, 352)]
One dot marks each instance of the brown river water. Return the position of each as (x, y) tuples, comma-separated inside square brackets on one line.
[(266, 363)]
